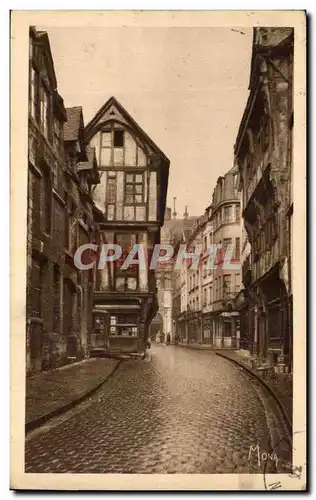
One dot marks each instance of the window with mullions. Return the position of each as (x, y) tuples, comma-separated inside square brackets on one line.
[(112, 147), (124, 325), (134, 188)]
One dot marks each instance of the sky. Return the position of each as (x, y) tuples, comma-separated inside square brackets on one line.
[(186, 87)]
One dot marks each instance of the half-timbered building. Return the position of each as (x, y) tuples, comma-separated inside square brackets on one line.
[(131, 200)]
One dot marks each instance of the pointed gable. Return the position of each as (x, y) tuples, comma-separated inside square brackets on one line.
[(121, 144), (113, 110)]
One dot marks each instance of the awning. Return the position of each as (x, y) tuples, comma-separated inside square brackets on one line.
[(101, 308)]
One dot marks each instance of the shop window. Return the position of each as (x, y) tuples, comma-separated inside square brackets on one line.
[(124, 325), (98, 326)]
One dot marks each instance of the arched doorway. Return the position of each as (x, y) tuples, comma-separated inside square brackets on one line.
[(155, 327)]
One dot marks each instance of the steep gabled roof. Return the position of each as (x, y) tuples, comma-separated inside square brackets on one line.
[(42, 38), (127, 120), (72, 126), (114, 102)]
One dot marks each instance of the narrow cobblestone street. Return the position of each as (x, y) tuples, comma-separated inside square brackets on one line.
[(184, 411)]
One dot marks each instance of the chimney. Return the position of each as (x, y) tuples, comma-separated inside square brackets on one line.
[(186, 215), (174, 215), (168, 214)]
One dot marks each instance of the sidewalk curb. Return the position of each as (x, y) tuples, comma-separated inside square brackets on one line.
[(202, 348), (39, 421), (264, 383)]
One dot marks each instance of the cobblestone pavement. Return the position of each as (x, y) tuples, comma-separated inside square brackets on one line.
[(185, 411)]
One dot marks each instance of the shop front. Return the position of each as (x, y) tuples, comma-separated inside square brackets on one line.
[(116, 329), (207, 329), (194, 330), (271, 310), (227, 330)]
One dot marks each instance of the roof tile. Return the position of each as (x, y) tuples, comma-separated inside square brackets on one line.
[(72, 125)]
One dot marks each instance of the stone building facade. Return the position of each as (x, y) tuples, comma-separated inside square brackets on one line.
[(131, 199), (226, 281), (263, 153), (208, 313), (61, 172)]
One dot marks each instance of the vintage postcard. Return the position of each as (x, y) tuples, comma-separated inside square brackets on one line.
[(158, 332)]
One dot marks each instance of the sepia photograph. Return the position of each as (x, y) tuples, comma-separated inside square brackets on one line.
[(159, 218)]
